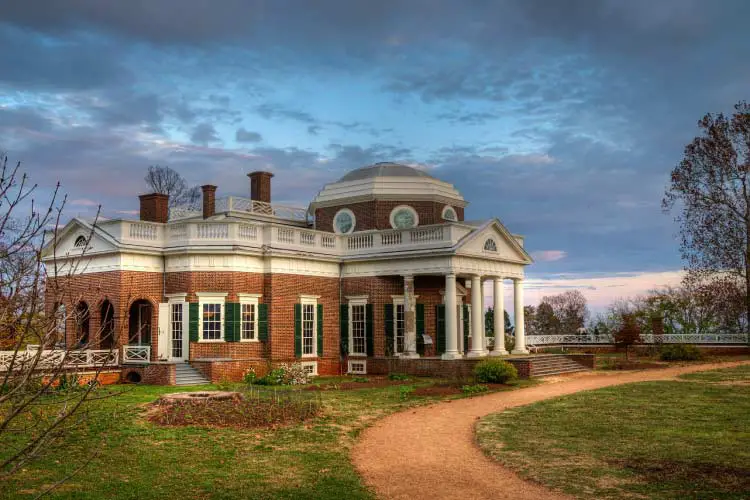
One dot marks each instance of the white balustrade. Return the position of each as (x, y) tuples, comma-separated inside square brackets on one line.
[(703, 338), (57, 358), (359, 241), (247, 232), (328, 241), (136, 354), (284, 235), (391, 238), (178, 231), (210, 231), (143, 231), (421, 235), (307, 238)]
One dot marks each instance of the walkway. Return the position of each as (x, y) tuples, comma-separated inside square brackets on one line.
[(429, 452)]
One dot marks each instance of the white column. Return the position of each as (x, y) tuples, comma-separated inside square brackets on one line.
[(451, 319), (477, 318), (520, 347), (499, 323), (410, 319)]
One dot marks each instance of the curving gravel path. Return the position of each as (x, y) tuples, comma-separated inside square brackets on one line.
[(429, 452)]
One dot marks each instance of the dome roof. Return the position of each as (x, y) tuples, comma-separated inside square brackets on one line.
[(384, 169)]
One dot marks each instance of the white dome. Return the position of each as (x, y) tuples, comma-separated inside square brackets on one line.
[(384, 169)]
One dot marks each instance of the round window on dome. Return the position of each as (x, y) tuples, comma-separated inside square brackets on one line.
[(344, 221), (404, 217), (449, 213)]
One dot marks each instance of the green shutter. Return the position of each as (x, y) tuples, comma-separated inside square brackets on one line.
[(344, 329), (194, 312), (420, 329), (369, 330), (388, 310), (231, 322), (320, 330), (440, 328), (263, 322), (467, 321), (298, 330)]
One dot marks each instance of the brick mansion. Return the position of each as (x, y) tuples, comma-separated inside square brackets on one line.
[(381, 264)]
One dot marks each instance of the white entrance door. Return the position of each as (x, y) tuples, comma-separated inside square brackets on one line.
[(179, 342)]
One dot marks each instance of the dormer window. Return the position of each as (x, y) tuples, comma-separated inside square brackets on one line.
[(404, 217), (449, 213), (80, 242), (490, 245)]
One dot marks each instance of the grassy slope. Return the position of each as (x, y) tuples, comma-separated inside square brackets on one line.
[(651, 440), (141, 460)]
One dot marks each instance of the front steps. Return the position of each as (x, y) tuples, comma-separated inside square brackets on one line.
[(554, 364), (187, 375)]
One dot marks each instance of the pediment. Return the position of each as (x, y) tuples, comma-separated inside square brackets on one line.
[(78, 238), (493, 241)]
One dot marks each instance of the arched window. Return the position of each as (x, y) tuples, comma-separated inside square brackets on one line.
[(449, 213), (490, 245), (344, 221), (81, 242), (404, 217), (107, 333), (82, 323)]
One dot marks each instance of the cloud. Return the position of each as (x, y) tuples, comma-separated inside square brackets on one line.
[(548, 255), (243, 135), (204, 133), (83, 202)]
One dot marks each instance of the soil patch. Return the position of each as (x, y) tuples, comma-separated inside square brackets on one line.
[(450, 390), (349, 386)]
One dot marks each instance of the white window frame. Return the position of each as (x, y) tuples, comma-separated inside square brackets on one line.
[(313, 364), (179, 298), (309, 300), (398, 300), (249, 299), (357, 301), (445, 209), (351, 214), (398, 209), (205, 298), (357, 361)]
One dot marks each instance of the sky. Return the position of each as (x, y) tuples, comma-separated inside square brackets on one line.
[(561, 118)]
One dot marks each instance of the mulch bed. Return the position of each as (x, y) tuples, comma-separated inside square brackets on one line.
[(372, 383), (450, 390), (635, 365)]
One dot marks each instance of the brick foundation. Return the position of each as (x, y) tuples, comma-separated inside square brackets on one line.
[(152, 374)]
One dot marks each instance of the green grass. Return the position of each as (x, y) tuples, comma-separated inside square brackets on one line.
[(727, 375), (140, 460), (649, 440)]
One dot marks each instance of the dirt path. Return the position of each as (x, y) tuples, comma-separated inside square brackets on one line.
[(429, 452)]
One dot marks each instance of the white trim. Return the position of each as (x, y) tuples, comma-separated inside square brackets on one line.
[(363, 371), (176, 297), (314, 365), (351, 214), (403, 207), (445, 209), (357, 297), (212, 295), (310, 300), (250, 299)]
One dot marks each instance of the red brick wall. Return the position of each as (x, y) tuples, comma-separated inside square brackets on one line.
[(215, 281), (376, 214), (153, 374)]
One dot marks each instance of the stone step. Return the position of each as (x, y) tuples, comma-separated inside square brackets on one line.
[(548, 373), (187, 375)]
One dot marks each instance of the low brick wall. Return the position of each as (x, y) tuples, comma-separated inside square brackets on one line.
[(440, 368), (220, 369), (105, 377), (159, 373)]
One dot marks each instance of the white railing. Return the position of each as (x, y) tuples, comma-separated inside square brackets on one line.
[(307, 238), (421, 235), (391, 238), (210, 231), (247, 232), (284, 235), (136, 353), (177, 213), (143, 231), (719, 338), (359, 241), (240, 204), (55, 358), (328, 241)]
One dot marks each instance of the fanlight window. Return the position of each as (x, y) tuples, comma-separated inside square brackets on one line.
[(490, 245), (449, 213), (404, 217), (80, 242), (344, 221)]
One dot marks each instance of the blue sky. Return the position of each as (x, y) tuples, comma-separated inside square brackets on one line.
[(561, 118)]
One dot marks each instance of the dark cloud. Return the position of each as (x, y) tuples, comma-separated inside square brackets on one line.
[(243, 135), (204, 133)]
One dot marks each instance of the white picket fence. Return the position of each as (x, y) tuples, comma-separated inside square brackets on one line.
[(703, 338), (53, 358)]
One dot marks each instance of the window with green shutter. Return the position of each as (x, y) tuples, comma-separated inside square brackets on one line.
[(320, 330), (298, 330), (193, 321), (440, 328), (420, 329), (388, 313), (263, 322), (232, 322), (344, 329), (369, 330)]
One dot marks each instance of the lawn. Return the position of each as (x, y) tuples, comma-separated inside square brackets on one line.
[(673, 439), (138, 459)]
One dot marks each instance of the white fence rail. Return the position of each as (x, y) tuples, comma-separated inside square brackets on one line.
[(704, 338), (54, 358), (136, 354)]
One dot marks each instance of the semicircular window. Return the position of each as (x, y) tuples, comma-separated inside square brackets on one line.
[(404, 217), (80, 242), (490, 245)]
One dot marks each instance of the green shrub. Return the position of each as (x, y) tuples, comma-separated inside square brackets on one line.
[(680, 352), (405, 391), (397, 376), (361, 380), (249, 377), (495, 371), (510, 343), (474, 389), (285, 374)]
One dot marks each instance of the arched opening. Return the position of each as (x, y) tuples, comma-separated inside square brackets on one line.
[(82, 323), (107, 334), (139, 323), (133, 377)]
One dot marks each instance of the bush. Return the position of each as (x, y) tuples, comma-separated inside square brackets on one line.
[(285, 374), (495, 371), (249, 377), (680, 352), (510, 343), (405, 391), (474, 389), (360, 380), (397, 376)]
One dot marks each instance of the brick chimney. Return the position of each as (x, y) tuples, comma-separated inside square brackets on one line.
[(209, 200), (260, 186), (154, 207)]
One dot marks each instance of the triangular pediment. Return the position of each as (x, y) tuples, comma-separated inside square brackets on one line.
[(493, 241), (78, 238)]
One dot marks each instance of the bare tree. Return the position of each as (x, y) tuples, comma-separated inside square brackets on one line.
[(711, 190), (562, 314), (166, 180), (41, 401)]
